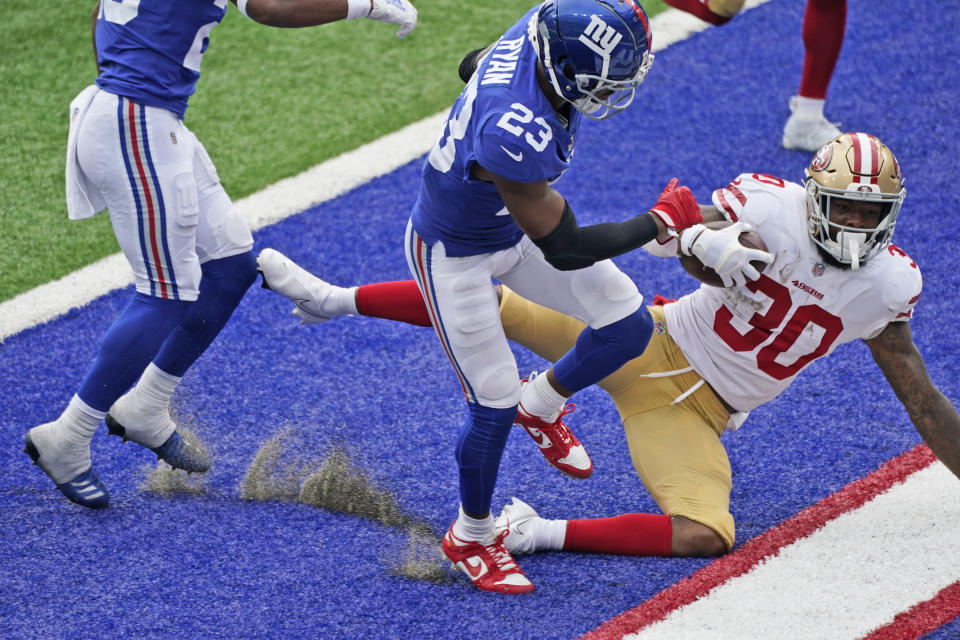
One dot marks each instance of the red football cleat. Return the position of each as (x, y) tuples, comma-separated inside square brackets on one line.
[(557, 443), (489, 566)]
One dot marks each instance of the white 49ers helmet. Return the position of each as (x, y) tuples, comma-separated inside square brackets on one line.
[(857, 167)]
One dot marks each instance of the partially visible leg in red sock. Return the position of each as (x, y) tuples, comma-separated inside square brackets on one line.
[(400, 300), (824, 24), (699, 9), (630, 534)]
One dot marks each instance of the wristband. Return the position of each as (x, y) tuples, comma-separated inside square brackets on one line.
[(689, 237), (358, 9), (242, 6)]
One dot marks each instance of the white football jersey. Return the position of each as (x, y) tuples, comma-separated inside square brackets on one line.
[(750, 342)]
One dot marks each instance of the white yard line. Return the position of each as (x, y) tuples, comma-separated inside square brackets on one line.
[(283, 199), (846, 579)]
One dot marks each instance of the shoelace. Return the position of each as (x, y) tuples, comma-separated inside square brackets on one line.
[(501, 557), (562, 434)]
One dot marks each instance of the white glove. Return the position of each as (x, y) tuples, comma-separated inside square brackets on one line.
[(399, 12), (720, 249)]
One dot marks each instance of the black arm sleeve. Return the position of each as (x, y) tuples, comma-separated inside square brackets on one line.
[(469, 64), (570, 247)]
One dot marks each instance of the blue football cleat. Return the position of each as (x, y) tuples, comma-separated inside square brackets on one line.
[(180, 455), (86, 489), (175, 452)]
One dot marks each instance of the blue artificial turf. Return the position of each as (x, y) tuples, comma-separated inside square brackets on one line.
[(215, 565)]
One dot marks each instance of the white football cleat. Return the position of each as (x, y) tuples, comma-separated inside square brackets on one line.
[(316, 300), (517, 519), (807, 134)]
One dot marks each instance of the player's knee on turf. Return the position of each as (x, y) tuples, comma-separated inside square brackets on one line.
[(691, 538), (726, 8)]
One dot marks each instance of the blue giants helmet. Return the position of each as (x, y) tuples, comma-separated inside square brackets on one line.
[(595, 52)]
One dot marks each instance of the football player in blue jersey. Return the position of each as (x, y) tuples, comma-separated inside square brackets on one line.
[(486, 210), (130, 152)]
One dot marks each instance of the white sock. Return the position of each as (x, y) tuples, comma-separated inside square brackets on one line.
[(155, 389), (347, 299), (542, 400), (809, 108), (549, 534), (64, 444), (334, 301), (467, 528), (78, 422)]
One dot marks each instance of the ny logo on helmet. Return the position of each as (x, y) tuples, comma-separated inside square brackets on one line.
[(601, 38)]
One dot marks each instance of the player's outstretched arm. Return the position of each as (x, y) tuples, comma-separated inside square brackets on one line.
[(310, 13), (933, 415), (548, 220)]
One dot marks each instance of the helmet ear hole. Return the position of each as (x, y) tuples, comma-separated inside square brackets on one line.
[(566, 69)]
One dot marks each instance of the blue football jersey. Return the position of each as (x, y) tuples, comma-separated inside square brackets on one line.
[(503, 122), (150, 50)]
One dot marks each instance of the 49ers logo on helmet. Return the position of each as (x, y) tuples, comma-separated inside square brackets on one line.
[(823, 157)]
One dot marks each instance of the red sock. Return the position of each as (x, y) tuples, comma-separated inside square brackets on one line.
[(823, 25), (699, 9), (630, 534), (399, 300)]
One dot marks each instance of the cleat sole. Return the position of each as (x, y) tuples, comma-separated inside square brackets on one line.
[(31, 450), (114, 427), (263, 281)]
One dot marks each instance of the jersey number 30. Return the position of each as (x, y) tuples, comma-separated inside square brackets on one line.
[(764, 325)]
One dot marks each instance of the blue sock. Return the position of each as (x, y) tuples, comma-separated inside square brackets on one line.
[(600, 352), (128, 346), (479, 448), (222, 287)]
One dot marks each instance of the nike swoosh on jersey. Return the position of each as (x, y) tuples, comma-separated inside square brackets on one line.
[(516, 156)]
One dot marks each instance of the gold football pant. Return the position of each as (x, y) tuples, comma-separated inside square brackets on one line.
[(672, 419)]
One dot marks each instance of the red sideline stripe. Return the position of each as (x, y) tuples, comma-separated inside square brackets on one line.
[(923, 617), (767, 544)]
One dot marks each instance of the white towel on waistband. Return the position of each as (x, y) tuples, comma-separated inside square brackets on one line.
[(83, 199)]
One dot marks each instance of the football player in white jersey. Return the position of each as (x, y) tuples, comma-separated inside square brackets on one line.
[(486, 209), (719, 352), (130, 152), (824, 23)]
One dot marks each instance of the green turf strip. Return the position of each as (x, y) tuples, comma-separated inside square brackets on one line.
[(270, 103)]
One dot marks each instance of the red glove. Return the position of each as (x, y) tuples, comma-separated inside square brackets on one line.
[(677, 207)]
